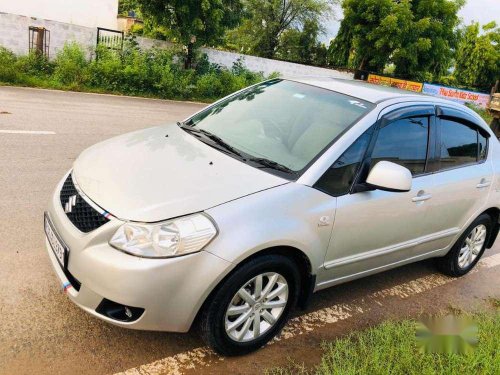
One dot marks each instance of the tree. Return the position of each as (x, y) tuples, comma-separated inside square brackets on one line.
[(302, 45), (426, 51), (194, 22), (125, 6), (370, 31), (340, 48), (417, 36), (478, 56), (268, 20)]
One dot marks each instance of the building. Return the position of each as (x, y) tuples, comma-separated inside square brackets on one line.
[(89, 13)]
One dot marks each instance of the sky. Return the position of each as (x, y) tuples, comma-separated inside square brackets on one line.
[(482, 11)]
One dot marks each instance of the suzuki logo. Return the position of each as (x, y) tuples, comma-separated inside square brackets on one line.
[(68, 207)]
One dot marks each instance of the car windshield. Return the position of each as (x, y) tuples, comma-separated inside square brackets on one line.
[(281, 125)]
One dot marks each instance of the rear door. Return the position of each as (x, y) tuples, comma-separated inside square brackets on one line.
[(462, 178)]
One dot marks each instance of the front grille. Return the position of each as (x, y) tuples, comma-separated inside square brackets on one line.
[(79, 212)]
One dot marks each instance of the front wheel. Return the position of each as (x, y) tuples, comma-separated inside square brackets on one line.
[(469, 248), (251, 306)]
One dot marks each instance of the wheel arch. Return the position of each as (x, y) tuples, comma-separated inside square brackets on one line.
[(307, 281), (494, 213)]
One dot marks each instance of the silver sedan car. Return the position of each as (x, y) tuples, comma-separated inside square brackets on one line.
[(236, 215)]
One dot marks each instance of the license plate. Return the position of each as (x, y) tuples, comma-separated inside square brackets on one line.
[(59, 249)]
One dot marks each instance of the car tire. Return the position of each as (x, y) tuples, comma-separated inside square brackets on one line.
[(469, 248), (220, 327)]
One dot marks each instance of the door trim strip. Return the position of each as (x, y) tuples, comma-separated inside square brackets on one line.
[(391, 249)]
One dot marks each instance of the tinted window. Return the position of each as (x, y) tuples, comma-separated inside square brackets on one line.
[(338, 179), (483, 147), (403, 142), (459, 144)]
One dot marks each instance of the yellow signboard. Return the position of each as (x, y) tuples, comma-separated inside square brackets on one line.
[(394, 82)]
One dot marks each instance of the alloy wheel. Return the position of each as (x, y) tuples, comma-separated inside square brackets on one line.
[(256, 307), (472, 246)]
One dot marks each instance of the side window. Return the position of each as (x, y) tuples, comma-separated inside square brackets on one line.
[(459, 144), (403, 142), (338, 179), (483, 147)]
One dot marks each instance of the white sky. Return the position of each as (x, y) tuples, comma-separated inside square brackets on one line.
[(482, 11), (90, 13)]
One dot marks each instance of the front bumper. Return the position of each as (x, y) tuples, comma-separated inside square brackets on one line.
[(171, 291)]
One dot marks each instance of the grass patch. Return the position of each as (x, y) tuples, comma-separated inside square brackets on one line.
[(391, 348)]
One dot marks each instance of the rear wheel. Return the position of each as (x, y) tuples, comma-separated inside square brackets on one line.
[(469, 248), (251, 306)]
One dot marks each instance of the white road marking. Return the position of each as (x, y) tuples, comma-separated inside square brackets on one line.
[(204, 356), (37, 132)]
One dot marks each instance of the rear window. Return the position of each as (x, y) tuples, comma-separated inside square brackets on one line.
[(460, 145)]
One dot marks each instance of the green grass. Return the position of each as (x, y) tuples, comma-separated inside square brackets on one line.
[(391, 348)]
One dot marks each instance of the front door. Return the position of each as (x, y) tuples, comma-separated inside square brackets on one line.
[(376, 228)]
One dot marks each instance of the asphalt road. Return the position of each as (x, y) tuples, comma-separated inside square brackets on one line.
[(41, 331)]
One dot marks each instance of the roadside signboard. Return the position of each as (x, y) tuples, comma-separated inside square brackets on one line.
[(461, 96), (394, 82)]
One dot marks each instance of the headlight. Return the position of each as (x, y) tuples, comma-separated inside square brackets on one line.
[(171, 238)]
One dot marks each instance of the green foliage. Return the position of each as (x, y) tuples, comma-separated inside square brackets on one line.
[(206, 20), (155, 73), (125, 6), (192, 23), (267, 21), (426, 51), (302, 46), (417, 36), (8, 71), (370, 32), (478, 56), (340, 48), (35, 64), (69, 65)]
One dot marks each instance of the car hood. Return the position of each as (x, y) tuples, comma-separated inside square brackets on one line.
[(163, 172)]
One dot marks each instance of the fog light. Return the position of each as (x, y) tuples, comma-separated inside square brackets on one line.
[(117, 311)]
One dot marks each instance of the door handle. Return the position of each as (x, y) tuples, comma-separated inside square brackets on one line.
[(421, 197), (483, 183)]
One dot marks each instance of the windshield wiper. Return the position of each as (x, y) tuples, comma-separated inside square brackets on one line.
[(217, 140), (263, 162), (266, 163)]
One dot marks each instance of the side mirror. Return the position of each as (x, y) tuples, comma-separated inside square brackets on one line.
[(389, 177)]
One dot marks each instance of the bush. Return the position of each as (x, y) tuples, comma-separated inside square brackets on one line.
[(70, 65), (8, 71), (35, 64), (155, 72)]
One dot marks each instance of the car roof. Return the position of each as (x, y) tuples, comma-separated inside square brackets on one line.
[(376, 93), (359, 89)]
